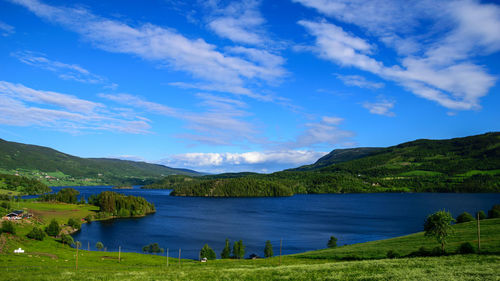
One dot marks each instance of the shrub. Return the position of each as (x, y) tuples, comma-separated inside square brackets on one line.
[(494, 212), (8, 227), (53, 229), (482, 215), (67, 239), (207, 252), (99, 245), (332, 242), (74, 223), (89, 218), (437, 251), (466, 248), (36, 233), (393, 254), (6, 205), (464, 217)]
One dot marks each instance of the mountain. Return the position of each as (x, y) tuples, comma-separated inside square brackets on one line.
[(57, 168), (339, 156), (468, 164)]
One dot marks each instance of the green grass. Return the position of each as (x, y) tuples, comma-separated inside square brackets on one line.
[(9, 192), (420, 173), (478, 172), (464, 232), (50, 260)]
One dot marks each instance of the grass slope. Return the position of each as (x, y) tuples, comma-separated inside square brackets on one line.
[(57, 168), (50, 260)]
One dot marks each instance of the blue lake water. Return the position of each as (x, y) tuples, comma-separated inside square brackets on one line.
[(305, 222)]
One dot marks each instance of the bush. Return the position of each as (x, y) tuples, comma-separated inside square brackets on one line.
[(74, 223), (482, 215), (332, 242), (494, 212), (6, 205), (67, 239), (53, 229), (464, 217), (89, 218), (207, 252), (36, 233), (8, 227), (393, 254), (437, 251), (466, 248)]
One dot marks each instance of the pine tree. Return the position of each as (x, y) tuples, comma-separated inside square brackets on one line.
[(268, 249), (226, 253)]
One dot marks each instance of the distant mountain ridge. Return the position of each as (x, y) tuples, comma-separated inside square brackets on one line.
[(57, 168), (467, 164)]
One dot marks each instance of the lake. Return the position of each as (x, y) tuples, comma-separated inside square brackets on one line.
[(304, 222)]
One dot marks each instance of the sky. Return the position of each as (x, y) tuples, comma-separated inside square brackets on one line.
[(228, 86)]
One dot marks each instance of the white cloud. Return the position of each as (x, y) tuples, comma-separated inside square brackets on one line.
[(162, 45), (444, 73), (359, 81), (65, 71), (324, 133), (240, 21), (381, 107), (24, 106), (6, 30), (265, 161), (221, 122)]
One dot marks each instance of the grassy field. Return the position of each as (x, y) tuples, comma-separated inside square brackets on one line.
[(50, 260), (9, 192)]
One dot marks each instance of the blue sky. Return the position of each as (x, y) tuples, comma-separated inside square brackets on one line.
[(246, 85)]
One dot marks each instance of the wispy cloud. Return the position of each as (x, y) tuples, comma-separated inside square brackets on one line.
[(6, 29), (63, 70), (255, 161), (381, 107), (24, 106), (239, 21), (325, 133), (159, 44), (440, 69), (359, 81), (220, 122)]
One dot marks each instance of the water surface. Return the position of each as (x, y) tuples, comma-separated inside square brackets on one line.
[(305, 222)]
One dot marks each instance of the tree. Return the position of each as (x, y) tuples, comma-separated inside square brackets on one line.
[(36, 233), (8, 227), (268, 249), (438, 225), (53, 229), (494, 212), (99, 245), (464, 217), (67, 239), (238, 250), (152, 248), (207, 252), (332, 242), (74, 223), (226, 252)]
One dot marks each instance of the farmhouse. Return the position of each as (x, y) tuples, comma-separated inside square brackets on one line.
[(15, 215)]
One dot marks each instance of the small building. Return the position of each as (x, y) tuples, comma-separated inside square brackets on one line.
[(204, 260), (15, 215)]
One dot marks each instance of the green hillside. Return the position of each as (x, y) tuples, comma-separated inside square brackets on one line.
[(469, 164), (56, 168)]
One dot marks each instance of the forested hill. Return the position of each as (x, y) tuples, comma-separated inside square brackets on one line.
[(57, 168), (469, 164)]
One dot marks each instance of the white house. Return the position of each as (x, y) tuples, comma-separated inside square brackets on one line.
[(18, 251)]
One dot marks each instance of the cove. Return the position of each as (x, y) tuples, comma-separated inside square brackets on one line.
[(304, 222)]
